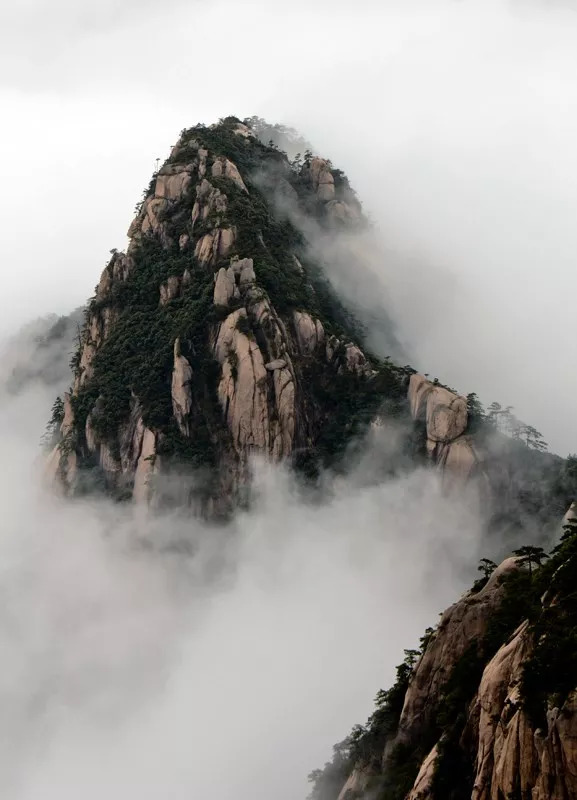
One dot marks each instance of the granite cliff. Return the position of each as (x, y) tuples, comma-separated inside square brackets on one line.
[(486, 710), (214, 338)]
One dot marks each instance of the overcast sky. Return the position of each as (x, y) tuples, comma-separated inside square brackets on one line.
[(456, 122)]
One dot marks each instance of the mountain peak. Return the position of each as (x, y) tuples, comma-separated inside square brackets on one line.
[(216, 337)]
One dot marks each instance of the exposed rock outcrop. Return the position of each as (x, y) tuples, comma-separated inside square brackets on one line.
[(346, 213), (225, 288), (150, 221), (209, 240), (62, 463), (173, 181), (169, 290), (423, 787), (471, 726), (310, 332), (341, 207), (357, 784), (222, 167), (215, 245), (181, 393), (131, 436), (445, 417), (243, 386), (200, 241), (322, 180), (244, 131), (461, 625), (514, 757), (210, 202), (146, 467), (445, 412), (505, 752)]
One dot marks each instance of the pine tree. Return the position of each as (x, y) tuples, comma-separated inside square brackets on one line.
[(487, 567), (530, 555)]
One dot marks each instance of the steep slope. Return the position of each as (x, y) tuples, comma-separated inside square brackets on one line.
[(524, 490), (487, 709), (214, 338)]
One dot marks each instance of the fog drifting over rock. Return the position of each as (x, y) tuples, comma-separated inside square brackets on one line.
[(133, 670)]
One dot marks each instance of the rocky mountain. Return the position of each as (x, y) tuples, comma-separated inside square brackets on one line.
[(214, 338), (218, 337), (486, 710)]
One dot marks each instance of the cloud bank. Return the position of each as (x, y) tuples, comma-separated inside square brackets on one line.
[(135, 669)]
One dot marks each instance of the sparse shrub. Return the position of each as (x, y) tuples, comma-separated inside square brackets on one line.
[(233, 361), (243, 325)]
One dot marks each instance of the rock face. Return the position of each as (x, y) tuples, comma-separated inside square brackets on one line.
[(444, 412), (463, 623), (243, 386), (225, 288), (203, 345), (309, 332), (222, 167), (181, 393), (322, 179), (145, 468), (515, 758), (445, 418), (340, 204), (173, 182), (471, 726), (258, 418), (423, 788), (505, 750), (357, 784)]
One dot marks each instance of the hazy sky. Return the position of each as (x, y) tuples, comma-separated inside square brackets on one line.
[(456, 122)]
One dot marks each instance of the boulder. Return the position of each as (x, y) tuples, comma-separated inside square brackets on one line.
[(322, 180), (173, 182), (309, 331), (280, 363), (445, 412), (169, 290), (243, 268), (222, 167), (225, 288), (215, 245)]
